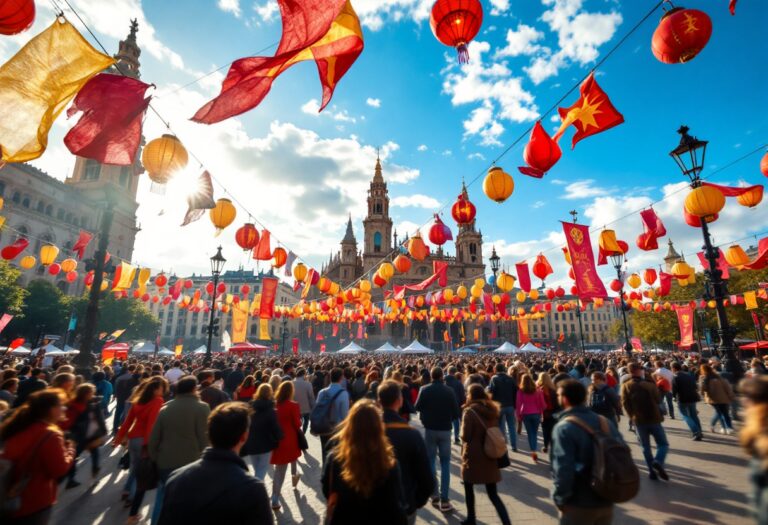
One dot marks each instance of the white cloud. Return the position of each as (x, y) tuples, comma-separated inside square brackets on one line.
[(538, 204), (415, 201), (374, 13), (447, 153), (521, 41), (422, 148), (312, 107), (583, 189), (499, 7), (478, 156), (373, 102), (230, 6), (268, 11)]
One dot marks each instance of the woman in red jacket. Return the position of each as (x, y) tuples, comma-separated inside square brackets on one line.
[(146, 402), (287, 451), (36, 446)]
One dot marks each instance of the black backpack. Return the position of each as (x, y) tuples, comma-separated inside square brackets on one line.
[(599, 404), (320, 423), (613, 475)]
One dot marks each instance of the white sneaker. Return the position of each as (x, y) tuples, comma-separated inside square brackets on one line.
[(729, 431)]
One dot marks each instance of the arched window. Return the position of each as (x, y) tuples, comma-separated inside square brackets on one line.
[(49, 210), (40, 206), (377, 207), (16, 197), (92, 170), (60, 214), (377, 242), (25, 202), (472, 248)]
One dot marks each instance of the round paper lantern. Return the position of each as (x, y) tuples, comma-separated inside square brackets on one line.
[(455, 23), (417, 248), (550, 293), (498, 185), (163, 157), (439, 233), (520, 296), (68, 265), (560, 291), (505, 282), (705, 202), (71, 277), (365, 285), (616, 285), (681, 35), (300, 272), (476, 291), (751, 197), (48, 254), (650, 276), (736, 256), (542, 268), (764, 165), (223, 214), (247, 236), (681, 270), (245, 289), (16, 16), (28, 262), (386, 270), (379, 281), (161, 280), (279, 257), (463, 211), (461, 292), (541, 153), (634, 280), (402, 264), (54, 269), (533, 295)]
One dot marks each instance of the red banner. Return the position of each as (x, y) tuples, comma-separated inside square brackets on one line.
[(268, 293), (522, 331), (636, 344), (523, 276), (685, 321), (722, 264), (295, 345), (440, 275), (588, 283)]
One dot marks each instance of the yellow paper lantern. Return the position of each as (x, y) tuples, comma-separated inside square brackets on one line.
[(634, 280), (496, 299), (711, 304), (48, 254), (365, 285), (705, 202), (476, 291), (520, 297), (505, 282), (448, 294), (736, 256), (386, 271), (300, 272), (682, 270), (223, 214), (534, 294), (68, 265), (498, 185), (751, 197), (461, 292), (28, 262), (163, 157)]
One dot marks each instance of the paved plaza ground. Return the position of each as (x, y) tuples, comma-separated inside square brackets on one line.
[(709, 485)]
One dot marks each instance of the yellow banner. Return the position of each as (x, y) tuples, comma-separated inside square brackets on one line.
[(264, 329), (239, 322), (178, 350), (750, 300)]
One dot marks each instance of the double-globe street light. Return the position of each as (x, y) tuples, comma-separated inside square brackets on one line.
[(618, 259), (217, 265)]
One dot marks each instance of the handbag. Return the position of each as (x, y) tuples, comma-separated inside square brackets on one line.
[(494, 444), (146, 471), (503, 461), (302, 439), (125, 461)]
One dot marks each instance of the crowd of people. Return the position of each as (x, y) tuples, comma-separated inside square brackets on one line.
[(181, 423)]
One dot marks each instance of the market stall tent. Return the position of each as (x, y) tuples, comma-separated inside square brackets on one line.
[(417, 348), (506, 348), (240, 348), (387, 348), (531, 348), (351, 348)]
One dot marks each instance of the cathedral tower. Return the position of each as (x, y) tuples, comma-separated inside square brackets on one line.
[(469, 242), (377, 224)]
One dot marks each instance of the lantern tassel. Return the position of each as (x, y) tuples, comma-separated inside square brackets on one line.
[(463, 53)]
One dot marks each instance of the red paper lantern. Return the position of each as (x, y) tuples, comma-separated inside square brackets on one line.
[(13, 250), (574, 290), (764, 164), (54, 269), (616, 285), (455, 23), (560, 307), (402, 264), (681, 35), (136, 294), (209, 288), (247, 236), (559, 292), (463, 211), (221, 288), (188, 284), (541, 153), (161, 280), (167, 300), (650, 276), (16, 16), (439, 233), (542, 268), (245, 289), (71, 276), (378, 280), (155, 298), (145, 297)]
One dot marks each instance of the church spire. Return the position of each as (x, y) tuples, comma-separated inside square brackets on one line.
[(377, 176), (128, 54), (349, 236)]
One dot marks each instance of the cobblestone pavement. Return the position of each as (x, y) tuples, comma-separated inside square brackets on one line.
[(709, 485)]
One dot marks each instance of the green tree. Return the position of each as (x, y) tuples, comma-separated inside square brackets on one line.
[(118, 314), (11, 294), (45, 311), (616, 331)]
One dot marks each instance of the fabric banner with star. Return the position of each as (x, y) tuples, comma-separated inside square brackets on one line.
[(591, 114), (588, 283), (685, 322)]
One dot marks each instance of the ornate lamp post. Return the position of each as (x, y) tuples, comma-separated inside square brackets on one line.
[(689, 156), (217, 264), (617, 259), (495, 259)]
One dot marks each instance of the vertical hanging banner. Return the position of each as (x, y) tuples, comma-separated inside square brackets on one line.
[(588, 283), (665, 283), (750, 300), (82, 242), (268, 293), (523, 276), (7, 319), (264, 329), (240, 322), (685, 322), (359, 330), (295, 345), (522, 331), (308, 282), (636, 344)]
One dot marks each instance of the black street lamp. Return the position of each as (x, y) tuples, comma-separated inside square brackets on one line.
[(495, 259), (284, 334), (217, 264), (617, 259), (689, 156)]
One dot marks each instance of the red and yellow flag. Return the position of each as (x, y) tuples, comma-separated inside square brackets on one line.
[(591, 114), (326, 31)]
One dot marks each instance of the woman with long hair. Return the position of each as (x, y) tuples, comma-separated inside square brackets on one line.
[(547, 387), (530, 407), (480, 413), (361, 479), (35, 445), (288, 450), (754, 439), (246, 390), (85, 423), (265, 432), (146, 402), (718, 393)]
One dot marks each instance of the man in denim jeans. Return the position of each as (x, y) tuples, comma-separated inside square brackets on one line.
[(686, 391), (503, 390), (437, 407)]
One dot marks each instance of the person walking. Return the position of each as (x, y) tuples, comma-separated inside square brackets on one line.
[(572, 457), (233, 380), (104, 391), (361, 479), (333, 401), (719, 394), (480, 412), (288, 450), (453, 382), (410, 450), (174, 373), (685, 391), (640, 399), (265, 432), (209, 392), (754, 440), (30, 385), (84, 421), (146, 402), (548, 390), (217, 488), (503, 390), (529, 408), (305, 397), (603, 399), (124, 385), (178, 436), (36, 446), (245, 390), (667, 374), (437, 407)]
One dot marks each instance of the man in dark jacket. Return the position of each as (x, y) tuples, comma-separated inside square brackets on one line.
[(29, 386), (503, 390), (603, 400), (452, 382), (571, 458), (685, 390), (437, 407), (233, 379), (218, 488), (124, 385), (208, 392), (411, 452)]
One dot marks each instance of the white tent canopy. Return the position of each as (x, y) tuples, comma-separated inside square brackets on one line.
[(506, 348), (531, 348), (148, 347), (69, 350), (50, 349), (387, 348), (417, 348), (199, 350), (351, 348), (21, 350), (165, 351)]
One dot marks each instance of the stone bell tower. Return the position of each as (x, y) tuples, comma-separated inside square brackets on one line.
[(377, 225)]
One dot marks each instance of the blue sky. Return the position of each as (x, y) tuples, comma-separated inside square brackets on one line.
[(300, 173)]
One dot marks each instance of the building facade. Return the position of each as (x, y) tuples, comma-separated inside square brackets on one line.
[(595, 323), (46, 210)]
